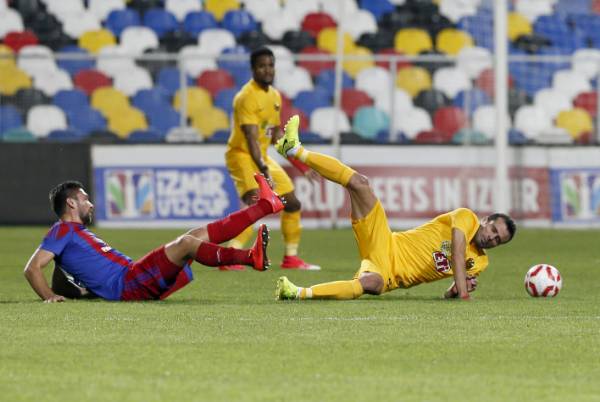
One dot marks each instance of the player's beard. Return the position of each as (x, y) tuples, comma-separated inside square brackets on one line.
[(87, 218)]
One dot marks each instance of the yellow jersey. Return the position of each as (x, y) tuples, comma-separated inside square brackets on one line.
[(424, 254), (253, 105)]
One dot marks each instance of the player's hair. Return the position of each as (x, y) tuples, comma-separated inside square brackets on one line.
[(59, 194), (261, 51), (510, 224)]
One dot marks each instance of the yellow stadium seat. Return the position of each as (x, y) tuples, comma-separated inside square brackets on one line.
[(413, 80), (197, 99), (219, 8), (576, 121), (210, 120), (353, 67), (451, 41), (7, 56), (518, 25), (412, 41), (93, 41), (327, 40), (109, 100), (12, 79), (126, 121)]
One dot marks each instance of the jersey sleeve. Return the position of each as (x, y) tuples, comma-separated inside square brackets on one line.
[(246, 110), (278, 111), (57, 239), (466, 221)]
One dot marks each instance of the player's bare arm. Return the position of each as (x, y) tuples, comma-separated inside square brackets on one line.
[(251, 133), (459, 245), (33, 272)]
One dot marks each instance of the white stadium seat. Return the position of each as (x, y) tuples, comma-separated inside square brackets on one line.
[(10, 21), (473, 60), (587, 62), (260, 9), (454, 10), (284, 58), (138, 39), (180, 8), (376, 82), (113, 59), (300, 8), (402, 102), (484, 120), (62, 8), (361, 22), (196, 60), (570, 83), (280, 21), (35, 59), (334, 8), (213, 41), (293, 81), (78, 23), (451, 80), (532, 9), (131, 81), (412, 121), (52, 81), (42, 119), (322, 121), (552, 101), (532, 121), (101, 8)]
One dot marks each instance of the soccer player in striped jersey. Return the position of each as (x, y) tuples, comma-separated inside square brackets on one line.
[(111, 275), (450, 245)]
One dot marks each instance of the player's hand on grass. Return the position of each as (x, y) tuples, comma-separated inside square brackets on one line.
[(55, 299)]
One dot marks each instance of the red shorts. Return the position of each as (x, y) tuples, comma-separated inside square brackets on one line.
[(154, 277)]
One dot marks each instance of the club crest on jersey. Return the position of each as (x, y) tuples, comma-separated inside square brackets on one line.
[(442, 265), (470, 263), (277, 107)]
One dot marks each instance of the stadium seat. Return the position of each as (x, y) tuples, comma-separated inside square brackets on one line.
[(376, 82), (297, 40), (7, 57), (93, 41), (284, 58), (413, 80), (17, 40), (326, 80), (42, 119), (26, 98), (413, 121), (516, 99), (471, 99), (451, 41), (34, 59), (87, 120), (586, 62), (484, 120), (109, 100), (570, 83), (224, 99), (27, 9), (90, 80), (141, 6), (13, 79), (195, 60), (474, 60), (145, 136), (133, 80), (65, 135), (485, 82), (160, 21), (239, 22), (111, 60), (126, 121), (76, 24), (354, 67), (334, 8), (532, 9), (323, 122), (431, 100), (238, 67), (181, 8), (101, 8), (74, 61), (307, 101), (137, 40), (451, 80), (480, 26), (379, 41), (449, 120), (210, 120), (281, 21), (456, 9), (402, 102), (163, 119), (315, 22), (118, 20), (62, 8), (369, 121), (169, 79), (575, 121), (573, 7), (219, 8), (518, 25), (197, 99), (532, 121), (552, 101), (294, 81), (70, 100), (18, 135), (301, 8), (470, 136), (412, 41), (215, 81), (432, 136), (314, 65), (214, 41), (10, 118), (377, 8), (151, 99), (10, 21), (353, 99), (260, 9), (327, 40), (363, 22), (52, 81), (102, 136), (587, 101), (197, 21)]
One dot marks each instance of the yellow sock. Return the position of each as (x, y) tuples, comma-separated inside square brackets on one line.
[(339, 290), (240, 240), (291, 230), (327, 166)]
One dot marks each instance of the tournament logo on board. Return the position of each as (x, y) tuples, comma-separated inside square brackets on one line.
[(129, 193), (579, 194)]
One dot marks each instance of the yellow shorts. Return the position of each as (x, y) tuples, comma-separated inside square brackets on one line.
[(242, 168), (375, 245)]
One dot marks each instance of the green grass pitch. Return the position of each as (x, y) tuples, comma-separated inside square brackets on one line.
[(225, 338)]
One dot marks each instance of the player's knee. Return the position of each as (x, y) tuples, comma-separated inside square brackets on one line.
[(371, 283), (186, 242), (359, 182), (292, 204), (250, 197)]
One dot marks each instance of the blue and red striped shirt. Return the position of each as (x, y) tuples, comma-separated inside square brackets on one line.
[(99, 267)]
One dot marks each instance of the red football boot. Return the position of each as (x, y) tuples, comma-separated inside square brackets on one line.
[(235, 267), (265, 192), (258, 252), (295, 262)]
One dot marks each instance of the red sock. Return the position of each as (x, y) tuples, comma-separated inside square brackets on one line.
[(234, 224), (214, 255)]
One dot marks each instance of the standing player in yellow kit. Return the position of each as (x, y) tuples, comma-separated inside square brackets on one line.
[(256, 109), (450, 245)]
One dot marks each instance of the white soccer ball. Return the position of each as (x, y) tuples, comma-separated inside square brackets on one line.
[(543, 280)]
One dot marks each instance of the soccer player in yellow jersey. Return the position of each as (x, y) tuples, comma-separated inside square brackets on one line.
[(450, 245), (256, 120)]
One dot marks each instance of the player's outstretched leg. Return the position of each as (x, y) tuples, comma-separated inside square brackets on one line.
[(339, 290), (330, 168)]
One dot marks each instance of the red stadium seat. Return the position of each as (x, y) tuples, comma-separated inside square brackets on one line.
[(285, 102), (90, 80), (16, 40), (353, 99), (215, 81), (314, 67), (485, 81), (432, 137), (449, 120), (587, 101), (287, 112), (392, 52), (313, 23)]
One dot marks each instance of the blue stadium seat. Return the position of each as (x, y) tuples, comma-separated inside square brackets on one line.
[(66, 135), (118, 20), (531, 77), (9, 118), (160, 21), (169, 80), (239, 22), (307, 101), (369, 120), (556, 28), (480, 26), (471, 99), (326, 80), (309, 137), (573, 7), (515, 137), (148, 99), (377, 7), (71, 100), (87, 120), (145, 136), (224, 99), (73, 66), (163, 119), (197, 21), (234, 65), (219, 137)]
